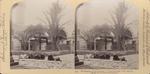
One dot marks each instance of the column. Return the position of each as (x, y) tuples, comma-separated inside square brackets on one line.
[(29, 46)]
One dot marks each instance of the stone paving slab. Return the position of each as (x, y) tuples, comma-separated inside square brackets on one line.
[(67, 63), (131, 63)]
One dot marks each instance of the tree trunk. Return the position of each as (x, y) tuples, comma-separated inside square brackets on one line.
[(119, 43), (21, 45), (55, 47), (24, 46)]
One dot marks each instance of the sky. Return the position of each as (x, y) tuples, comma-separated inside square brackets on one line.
[(93, 12)]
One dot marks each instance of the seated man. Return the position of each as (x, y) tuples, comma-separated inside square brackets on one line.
[(116, 58), (123, 59), (51, 58), (107, 56), (58, 59), (42, 57)]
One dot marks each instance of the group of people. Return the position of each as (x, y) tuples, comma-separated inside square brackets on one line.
[(40, 57), (106, 57)]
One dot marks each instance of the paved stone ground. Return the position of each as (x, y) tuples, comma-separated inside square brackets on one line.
[(132, 63), (89, 63), (67, 63)]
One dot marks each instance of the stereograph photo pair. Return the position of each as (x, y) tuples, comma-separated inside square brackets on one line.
[(68, 35)]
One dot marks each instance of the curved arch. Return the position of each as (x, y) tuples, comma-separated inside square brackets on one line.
[(11, 31)]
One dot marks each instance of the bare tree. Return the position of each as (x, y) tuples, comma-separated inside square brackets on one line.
[(88, 36), (96, 31), (24, 36), (53, 19), (121, 29)]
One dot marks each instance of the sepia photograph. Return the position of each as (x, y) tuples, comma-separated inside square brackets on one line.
[(52, 34), (107, 35), (41, 35)]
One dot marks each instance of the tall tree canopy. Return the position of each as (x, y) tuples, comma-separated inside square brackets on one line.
[(96, 31), (31, 31), (53, 19), (121, 29)]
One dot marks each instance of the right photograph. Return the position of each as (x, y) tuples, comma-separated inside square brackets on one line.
[(106, 35)]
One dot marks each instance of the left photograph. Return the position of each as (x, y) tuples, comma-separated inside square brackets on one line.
[(42, 35)]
